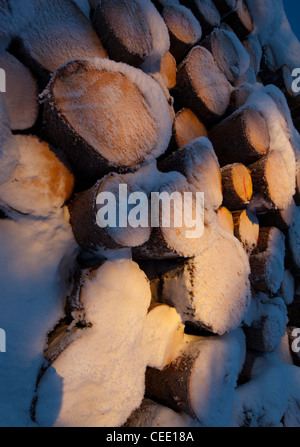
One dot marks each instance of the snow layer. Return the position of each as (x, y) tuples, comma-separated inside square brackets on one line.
[(99, 379), (14, 17), (35, 258)]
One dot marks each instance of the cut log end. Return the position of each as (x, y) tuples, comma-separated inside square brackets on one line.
[(237, 186)]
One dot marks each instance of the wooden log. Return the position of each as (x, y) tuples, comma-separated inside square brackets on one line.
[(197, 78), (216, 303), (287, 290), (41, 182), (176, 231), (225, 7), (95, 134), (282, 78), (225, 220), (135, 43), (254, 49), (246, 229), (240, 20), (237, 186), (9, 153), (281, 219), (184, 30), (206, 13), (168, 70), (186, 128), (151, 414), (164, 331), (21, 95), (229, 53), (239, 97), (293, 244), (293, 337), (270, 190), (267, 262), (243, 137), (43, 48), (197, 161), (178, 386), (94, 220), (294, 312)]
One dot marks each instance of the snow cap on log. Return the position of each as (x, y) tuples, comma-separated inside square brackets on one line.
[(132, 31), (84, 111), (206, 13), (205, 298)]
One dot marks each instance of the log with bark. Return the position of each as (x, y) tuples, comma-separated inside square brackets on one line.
[(186, 128), (178, 385), (43, 47), (270, 190), (287, 289), (197, 161), (237, 186), (229, 53), (243, 137), (239, 19), (206, 13), (201, 86), (282, 219), (93, 130), (267, 262), (184, 29), (246, 229), (254, 49), (130, 30), (203, 297)]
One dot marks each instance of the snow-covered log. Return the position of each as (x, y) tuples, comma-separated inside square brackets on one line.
[(271, 189), (287, 290), (205, 298), (151, 414), (243, 137), (187, 384), (201, 86), (41, 182), (184, 29), (95, 223), (132, 31), (282, 219), (181, 229), (254, 49), (267, 263), (229, 53), (246, 229), (197, 161), (21, 95), (293, 245), (205, 12), (168, 70), (237, 186), (225, 219), (239, 19), (9, 153), (94, 131), (186, 128), (58, 32)]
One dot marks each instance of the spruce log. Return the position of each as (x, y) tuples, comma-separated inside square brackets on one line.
[(176, 231), (229, 53), (43, 47), (197, 161), (225, 220), (240, 20), (246, 229), (179, 385), (239, 96), (267, 263), (93, 232), (184, 30), (271, 183), (186, 128), (93, 130), (243, 137), (206, 13), (203, 297), (201, 86), (40, 183), (237, 186), (128, 30), (168, 70)]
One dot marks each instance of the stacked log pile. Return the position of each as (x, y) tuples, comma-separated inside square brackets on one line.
[(166, 97)]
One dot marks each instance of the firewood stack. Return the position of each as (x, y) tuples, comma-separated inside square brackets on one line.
[(165, 96)]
